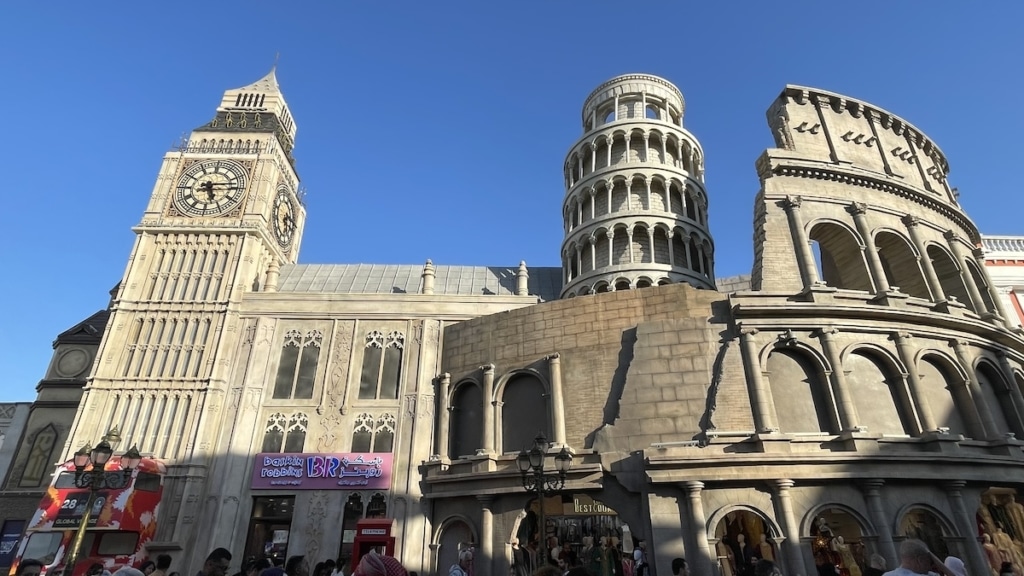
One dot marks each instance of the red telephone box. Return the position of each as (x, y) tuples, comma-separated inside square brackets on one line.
[(373, 534)]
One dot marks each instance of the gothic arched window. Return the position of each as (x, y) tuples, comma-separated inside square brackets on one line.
[(287, 432), (295, 437), (374, 435), (382, 366), (40, 457), (296, 372)]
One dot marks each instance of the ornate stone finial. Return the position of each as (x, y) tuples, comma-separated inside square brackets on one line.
[(428, 278), (273, 275), (522, 280)]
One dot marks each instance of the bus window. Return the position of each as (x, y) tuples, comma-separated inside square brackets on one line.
[(43, 546), (147, 482), (65, 480), (117, 543)]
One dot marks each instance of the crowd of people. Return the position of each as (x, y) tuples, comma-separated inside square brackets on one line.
[(915, 560)]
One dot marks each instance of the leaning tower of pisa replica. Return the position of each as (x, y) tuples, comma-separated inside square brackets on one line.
[(635, 210)]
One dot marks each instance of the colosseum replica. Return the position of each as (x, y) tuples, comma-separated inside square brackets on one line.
[(860, 387)]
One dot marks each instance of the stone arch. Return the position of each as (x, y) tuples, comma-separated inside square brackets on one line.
[(467, 419), (520, 393), (449, 536), (642, 251), (807, 523), (803, 401), (942, 383), (901, 263), (873, 374), (726, 524), (996, 394), (622, 283), (948, 273), (988, 303), (933, 535), (839, 255)]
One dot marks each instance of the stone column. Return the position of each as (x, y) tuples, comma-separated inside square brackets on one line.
[(987, 425), (485, 558), (872, 489), (610, 234), (858, 210), (804, 256), (428, 278), (443, 414), (953, 241), (924, 411), (557, 399), (844, 402), (965, 523), (629, 243), (700, 561), (593, 157), (791, 557), (522, 279), (273, 276), (593, 201), (760, 394), (488, 390), (912, 223), (671, 251)]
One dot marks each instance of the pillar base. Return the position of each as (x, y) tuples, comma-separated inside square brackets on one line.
[(773, 441), (891, 298), (941, 441), (859, 440), (1008, 445), (820, 293)]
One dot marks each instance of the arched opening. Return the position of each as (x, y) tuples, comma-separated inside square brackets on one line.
[(588, 257), (695, 259), (524, 412), (981, 281), (643, 283), (664, 282), (601, 249), (637, 195), (622, 285), (587, 206), (878, 394), (661, 254), (901, 266), (351, 514), (997, 396), (839, 257), (455, 536), (802, 401), (642, 245), (659, 196), (743, 537), (620, 197), (925, 526), (652, 112), (949, 275), (676, 203), (602, 155), (618, 149), (602, 288), (679, 249), (467, 420), (620, 247), (691, 204), (837, 542), (943, 397)]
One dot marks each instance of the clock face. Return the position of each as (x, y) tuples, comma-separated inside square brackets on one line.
[(283, 217), (210, 187)]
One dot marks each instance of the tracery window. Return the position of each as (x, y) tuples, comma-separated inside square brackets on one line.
[(287, 432), (40, 457), (382, 365), (297, 370), (374, 435)]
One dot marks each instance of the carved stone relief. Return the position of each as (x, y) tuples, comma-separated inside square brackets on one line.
[(316, 515)]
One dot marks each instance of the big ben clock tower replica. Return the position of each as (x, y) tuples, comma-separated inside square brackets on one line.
[(223, 213)]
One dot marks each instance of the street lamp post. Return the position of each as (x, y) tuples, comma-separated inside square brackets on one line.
[(531, 467), (89, 473)]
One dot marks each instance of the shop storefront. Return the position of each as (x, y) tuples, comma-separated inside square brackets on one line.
[(576, 524), (279, 479)]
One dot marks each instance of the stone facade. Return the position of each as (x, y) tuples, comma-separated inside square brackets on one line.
[(865, 373)]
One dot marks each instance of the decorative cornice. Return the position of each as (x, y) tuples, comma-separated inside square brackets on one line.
[(823, 173)]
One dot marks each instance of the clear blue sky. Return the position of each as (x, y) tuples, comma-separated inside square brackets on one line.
[(438, 129)]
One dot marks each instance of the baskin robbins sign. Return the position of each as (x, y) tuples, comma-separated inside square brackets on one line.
[(275, 471)]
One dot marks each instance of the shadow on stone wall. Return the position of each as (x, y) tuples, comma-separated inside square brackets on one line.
[(618, 384)]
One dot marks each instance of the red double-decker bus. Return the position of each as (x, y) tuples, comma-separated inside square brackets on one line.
[(121, 520)]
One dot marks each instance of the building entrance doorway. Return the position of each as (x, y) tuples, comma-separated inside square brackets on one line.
[(742, 538)]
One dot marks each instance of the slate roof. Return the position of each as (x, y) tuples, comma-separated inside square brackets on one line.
[(88, 331), (546, 283)]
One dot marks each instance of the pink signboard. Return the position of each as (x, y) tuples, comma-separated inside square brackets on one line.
[(358, 471)]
